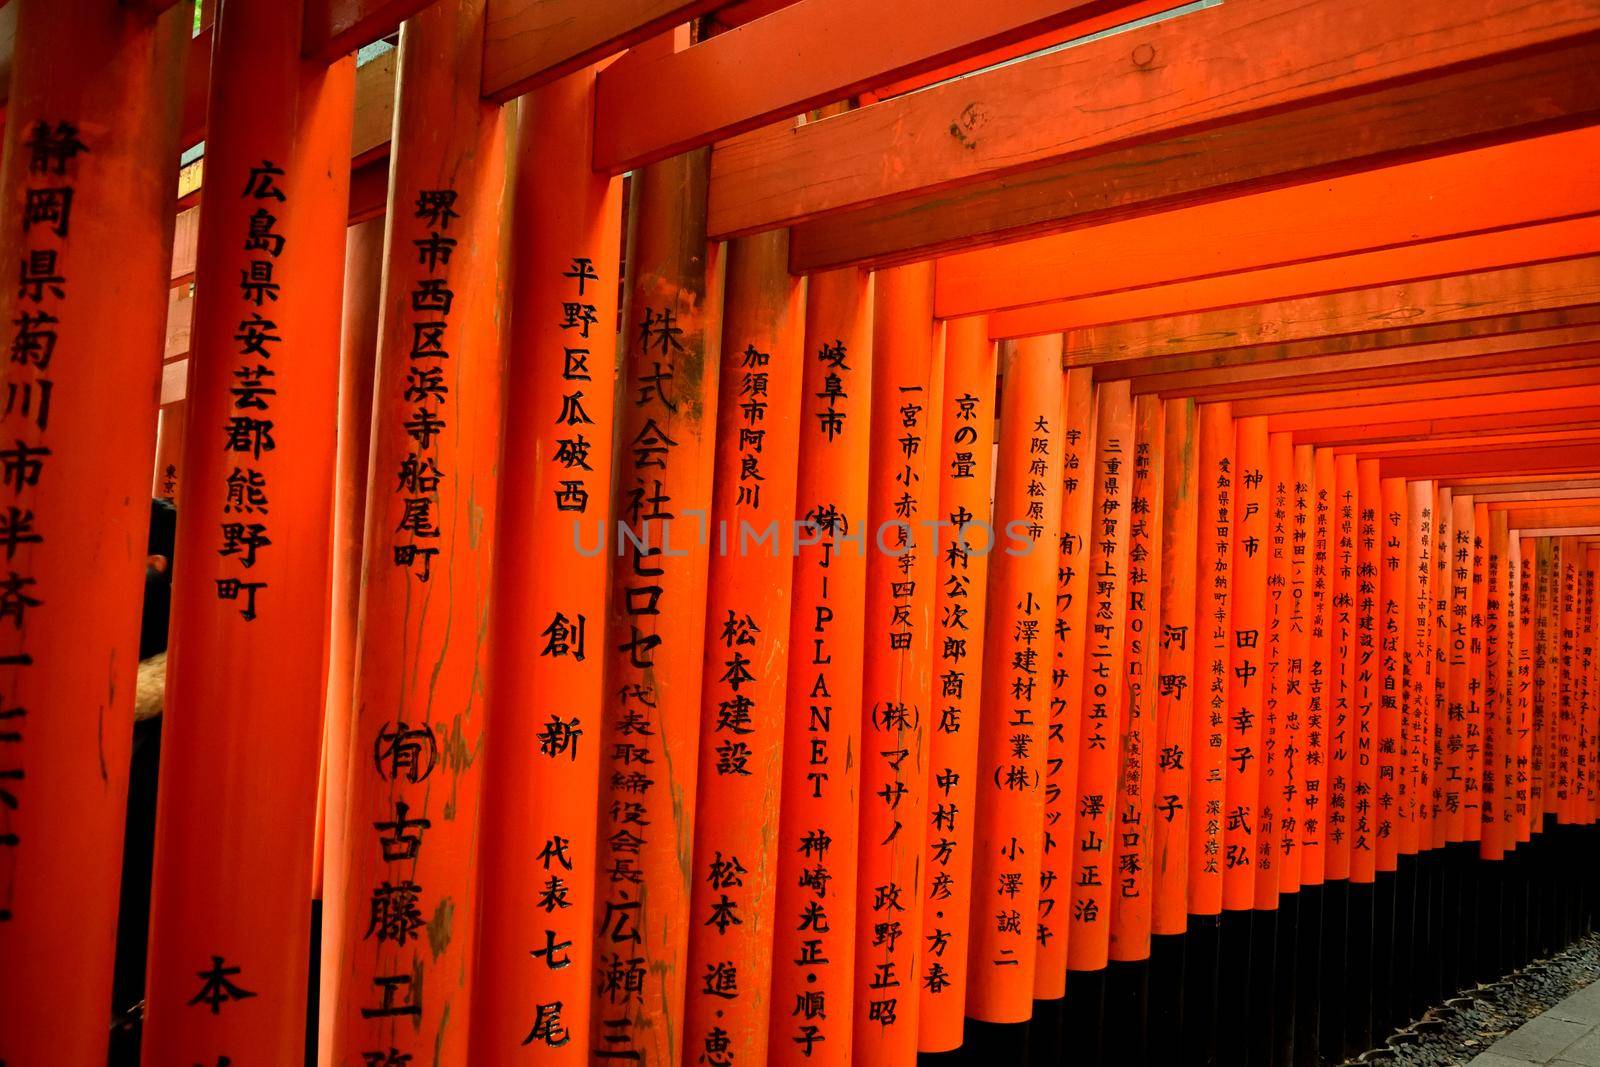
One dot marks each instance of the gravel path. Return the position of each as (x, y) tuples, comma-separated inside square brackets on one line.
[(1451, 1034)]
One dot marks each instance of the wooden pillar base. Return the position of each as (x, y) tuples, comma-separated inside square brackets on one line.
[(1165, 1013), (1233, 987), (987, 1043), (1201, 977), (1361, 965), (1264, 980), (1045, 1032), (1308, 986), (1333, 974), (1083, 1020), (1126, 1013), (1284, 991)]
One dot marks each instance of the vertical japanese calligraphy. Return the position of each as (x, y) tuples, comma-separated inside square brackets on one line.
[(1175, 641), (541, 772), (169, 450), (227, 972), (814, 925), (1389, 799), (672, 337), (753, 515), (411, 825), (897, 675), (966, 477), (1475, 733), (1093, 842), (91, 136), (1246, 685), (1131, 826), (1318, 671), (1066, 680), (1345, 752), (1013, 743), (1213, 635), (1456, 763), (1369, 818)]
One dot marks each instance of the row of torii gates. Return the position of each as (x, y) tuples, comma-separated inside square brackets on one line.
[(1095, 556)]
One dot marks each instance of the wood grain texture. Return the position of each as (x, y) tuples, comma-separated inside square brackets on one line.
[(1447, 112)]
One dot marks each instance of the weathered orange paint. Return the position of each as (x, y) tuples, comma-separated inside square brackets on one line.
[(1321, 716), (98, 74), (358, 351), (538, 798), (1369, 823), (1390, 791), (735, 862), (656, 624), (412, 815), (257, 513)]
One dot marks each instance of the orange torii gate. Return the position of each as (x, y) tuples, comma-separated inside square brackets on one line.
[(1313, 449)]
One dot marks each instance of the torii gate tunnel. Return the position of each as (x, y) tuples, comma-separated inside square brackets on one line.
[(796, 532)]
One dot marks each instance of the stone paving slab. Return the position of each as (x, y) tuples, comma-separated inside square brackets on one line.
[(1565, 1035)]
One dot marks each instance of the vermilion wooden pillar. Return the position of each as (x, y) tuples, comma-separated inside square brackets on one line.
[(1458, 669), (966, 550), (814, 928), (1344, 735), (250, 587), (1093, 842), (89, 166), (1390, 790), (1273, 705), (1591, 687), (1539, 640), (1317, 674), (1244, 746), (672, 337), (897, 686), (1475, 731), (1366, 675), (540, 795), (746, 649), (1169, 758), (1066, 701), (170, 427), (411, 824), (1214, 594), (1128, 973), (1525, 638), (1499, 740), (363, 280), (1567, 683), (1011, 764)]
